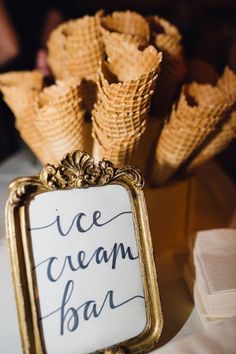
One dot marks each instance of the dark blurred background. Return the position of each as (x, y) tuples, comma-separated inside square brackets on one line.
[(208, 28)]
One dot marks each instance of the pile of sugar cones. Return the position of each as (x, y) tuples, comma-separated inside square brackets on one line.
[(125, 88), (50, 119), (118, 70), (201, 124)]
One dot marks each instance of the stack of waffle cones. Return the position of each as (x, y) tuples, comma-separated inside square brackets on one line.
[(126, 26), (199, 113), (226, 131), (167, 39), (51, 120), (19, 91), (60, 118), (125, 87), (75, 48)]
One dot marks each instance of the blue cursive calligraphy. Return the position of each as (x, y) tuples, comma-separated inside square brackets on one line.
[(77, 220), (100, 255), (70, 316)]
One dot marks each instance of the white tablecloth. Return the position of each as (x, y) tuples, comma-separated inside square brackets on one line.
[(17, 165)]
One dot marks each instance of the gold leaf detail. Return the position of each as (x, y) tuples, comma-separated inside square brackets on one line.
[(78, 170)]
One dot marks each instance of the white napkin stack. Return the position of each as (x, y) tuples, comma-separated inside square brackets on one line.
[(215, 271)]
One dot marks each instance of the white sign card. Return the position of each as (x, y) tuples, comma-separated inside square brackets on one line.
[(87, 269), (82, 259)]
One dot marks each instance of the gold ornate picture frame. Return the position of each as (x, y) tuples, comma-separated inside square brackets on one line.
[(78, 178)]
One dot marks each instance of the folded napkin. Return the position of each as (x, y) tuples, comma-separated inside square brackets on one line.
[(206, 319), (215, 267)]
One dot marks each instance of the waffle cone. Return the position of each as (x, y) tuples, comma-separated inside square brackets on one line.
[(166, 37), (177, 137), (168, 44), (206, 94), (120, 126), (111, 39), (119, 151), (80, 30), (20, 89), (110, 139), (202, 104), (55, 63), (125, 26), (180, 138), (31, 136), (112, 143), (31, 79), (19, 100), (76, 49), (192, 120), (129, 89), (56, 52), (85, 62), (174, 147), (117, 106), (120, 157), (59, 94), (219, 141), (60, 118), (129, 63)]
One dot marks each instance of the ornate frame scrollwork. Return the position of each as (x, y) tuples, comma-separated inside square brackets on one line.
[(77, 170)]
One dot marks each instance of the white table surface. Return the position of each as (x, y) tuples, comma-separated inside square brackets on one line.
[(180, 317)]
